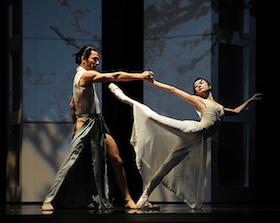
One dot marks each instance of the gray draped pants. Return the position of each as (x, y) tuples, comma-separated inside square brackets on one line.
[(83, 178)]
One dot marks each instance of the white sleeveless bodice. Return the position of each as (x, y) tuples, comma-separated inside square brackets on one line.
[(86, 100), (211, 117)]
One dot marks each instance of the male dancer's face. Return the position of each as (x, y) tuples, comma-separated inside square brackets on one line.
[(92, 61)]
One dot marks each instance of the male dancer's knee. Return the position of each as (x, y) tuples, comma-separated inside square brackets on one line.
[(113, 152)]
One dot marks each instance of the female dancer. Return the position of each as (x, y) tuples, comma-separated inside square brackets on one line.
[(174, 151)]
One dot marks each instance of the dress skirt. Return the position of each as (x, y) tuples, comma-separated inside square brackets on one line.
[(83, 178), (158, 140)]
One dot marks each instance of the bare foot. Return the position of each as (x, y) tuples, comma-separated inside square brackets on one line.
[(47, 207), (130, 204)]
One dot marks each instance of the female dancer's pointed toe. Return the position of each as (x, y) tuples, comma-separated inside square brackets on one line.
[(119, 94), (148, 206), (113, 87)]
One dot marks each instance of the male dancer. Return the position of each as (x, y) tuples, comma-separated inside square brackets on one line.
[(82, 180)]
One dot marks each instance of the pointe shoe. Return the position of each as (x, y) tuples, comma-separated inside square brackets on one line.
[(148, 206), (119, 94), (144, 204), (115, 90)]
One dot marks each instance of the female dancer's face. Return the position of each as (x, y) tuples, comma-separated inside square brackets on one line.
[(201, 87)]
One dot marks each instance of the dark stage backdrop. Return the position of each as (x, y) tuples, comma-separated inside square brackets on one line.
[(122, 49)]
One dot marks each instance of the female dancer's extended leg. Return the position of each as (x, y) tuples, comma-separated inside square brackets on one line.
[(175, 126)]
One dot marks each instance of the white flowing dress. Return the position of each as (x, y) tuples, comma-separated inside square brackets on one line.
[(158, 139)]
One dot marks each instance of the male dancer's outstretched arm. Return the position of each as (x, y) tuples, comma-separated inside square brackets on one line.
[(94, 76)]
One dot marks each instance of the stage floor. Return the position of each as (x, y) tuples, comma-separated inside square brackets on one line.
[(25, 212)]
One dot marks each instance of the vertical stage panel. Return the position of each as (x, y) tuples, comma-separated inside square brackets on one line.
[(122, 49)]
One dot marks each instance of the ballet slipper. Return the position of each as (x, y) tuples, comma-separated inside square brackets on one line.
[(47, 207), (143, 202), (148, 206), (119, 94)]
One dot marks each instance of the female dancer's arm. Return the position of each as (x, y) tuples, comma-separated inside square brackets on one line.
[(239, 109), (192, 99)]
